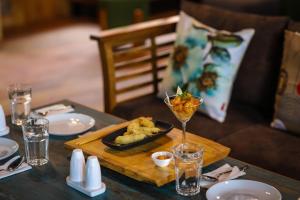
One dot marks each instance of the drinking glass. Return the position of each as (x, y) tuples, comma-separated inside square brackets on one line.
[(20, 102), (188, 166), (36, 139), (183, 112)]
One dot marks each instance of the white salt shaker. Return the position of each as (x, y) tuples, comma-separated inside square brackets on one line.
[(85, 178), (93, 174), (77, 166), (4, 130)]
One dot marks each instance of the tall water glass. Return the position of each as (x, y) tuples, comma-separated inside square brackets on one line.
[(188, 167), (20, 102), (36, 139)]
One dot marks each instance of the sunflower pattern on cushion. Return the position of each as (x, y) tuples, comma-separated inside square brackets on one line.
[(205, 62)]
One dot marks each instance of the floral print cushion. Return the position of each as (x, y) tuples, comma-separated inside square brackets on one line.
[(205, 62), (287, 105)]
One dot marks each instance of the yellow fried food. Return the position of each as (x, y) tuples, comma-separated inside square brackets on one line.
[(147, 131), (133, 126), (137, 130), (127, 139), (127, 133), (143, 121)]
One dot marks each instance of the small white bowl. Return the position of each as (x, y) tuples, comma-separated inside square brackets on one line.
[(162, 163)]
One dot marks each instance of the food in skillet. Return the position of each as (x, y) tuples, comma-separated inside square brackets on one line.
[(137, 130)]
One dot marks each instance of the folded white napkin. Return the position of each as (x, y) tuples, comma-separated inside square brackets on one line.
[(235, 173), (22, 168), (55, 109)]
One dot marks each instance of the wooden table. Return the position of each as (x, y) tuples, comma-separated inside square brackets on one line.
[(48, 182)]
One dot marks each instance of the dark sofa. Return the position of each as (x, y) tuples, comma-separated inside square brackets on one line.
[(246, 129)]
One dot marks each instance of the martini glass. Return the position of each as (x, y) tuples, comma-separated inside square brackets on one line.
[(183, 110)]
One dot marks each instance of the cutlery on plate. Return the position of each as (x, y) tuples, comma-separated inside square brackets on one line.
[(45, 113), (3, 153), (7, 164), (16, 164), (215, 178)]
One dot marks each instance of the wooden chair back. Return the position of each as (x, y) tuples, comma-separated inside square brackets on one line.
[(133, 58)]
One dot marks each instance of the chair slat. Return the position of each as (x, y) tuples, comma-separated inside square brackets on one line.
[(142, 62), (133, 75), (154, 64), (166, 44), (161, 68), (134, 87), (133, 65), (133, 53), (137, 74), (148, 90), (134, 58)]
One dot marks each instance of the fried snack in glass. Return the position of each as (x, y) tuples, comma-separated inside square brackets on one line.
[(183, 107)]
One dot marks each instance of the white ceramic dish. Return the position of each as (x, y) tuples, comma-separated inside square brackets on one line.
[(162, 163), (242, 190), (79, 186), (7, 148), (69, 124)]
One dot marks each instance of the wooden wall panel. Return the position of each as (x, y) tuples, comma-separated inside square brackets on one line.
[(28, 12)]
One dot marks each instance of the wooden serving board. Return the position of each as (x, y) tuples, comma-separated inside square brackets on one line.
[(137, 163)]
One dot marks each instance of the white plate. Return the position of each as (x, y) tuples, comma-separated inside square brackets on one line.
[(7, 148), (69, 124), (242, 190)]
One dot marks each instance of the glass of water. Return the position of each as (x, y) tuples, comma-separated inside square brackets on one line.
[(188, 166), (36, 139), (20, 102)]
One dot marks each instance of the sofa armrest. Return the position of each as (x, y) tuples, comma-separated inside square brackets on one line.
[(135, 52)]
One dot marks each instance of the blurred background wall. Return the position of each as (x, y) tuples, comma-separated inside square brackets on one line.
[(17, 14), (46, 44), (22, 13)]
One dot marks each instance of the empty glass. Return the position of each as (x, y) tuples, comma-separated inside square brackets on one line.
[(36, 139), (188, 166), (20, 102)]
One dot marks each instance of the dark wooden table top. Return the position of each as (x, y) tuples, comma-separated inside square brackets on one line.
[(48, 182)]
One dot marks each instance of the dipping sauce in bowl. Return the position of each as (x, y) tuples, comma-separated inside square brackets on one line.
[(162, 158)]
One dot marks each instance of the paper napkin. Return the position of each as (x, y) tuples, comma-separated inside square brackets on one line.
[(55, 109), (22, 168), (235, 173)]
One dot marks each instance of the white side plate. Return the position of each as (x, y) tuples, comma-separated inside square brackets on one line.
[(7, 148), (69, 124), (242, 190)]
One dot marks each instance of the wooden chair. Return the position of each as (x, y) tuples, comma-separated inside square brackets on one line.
[(129, 70)]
